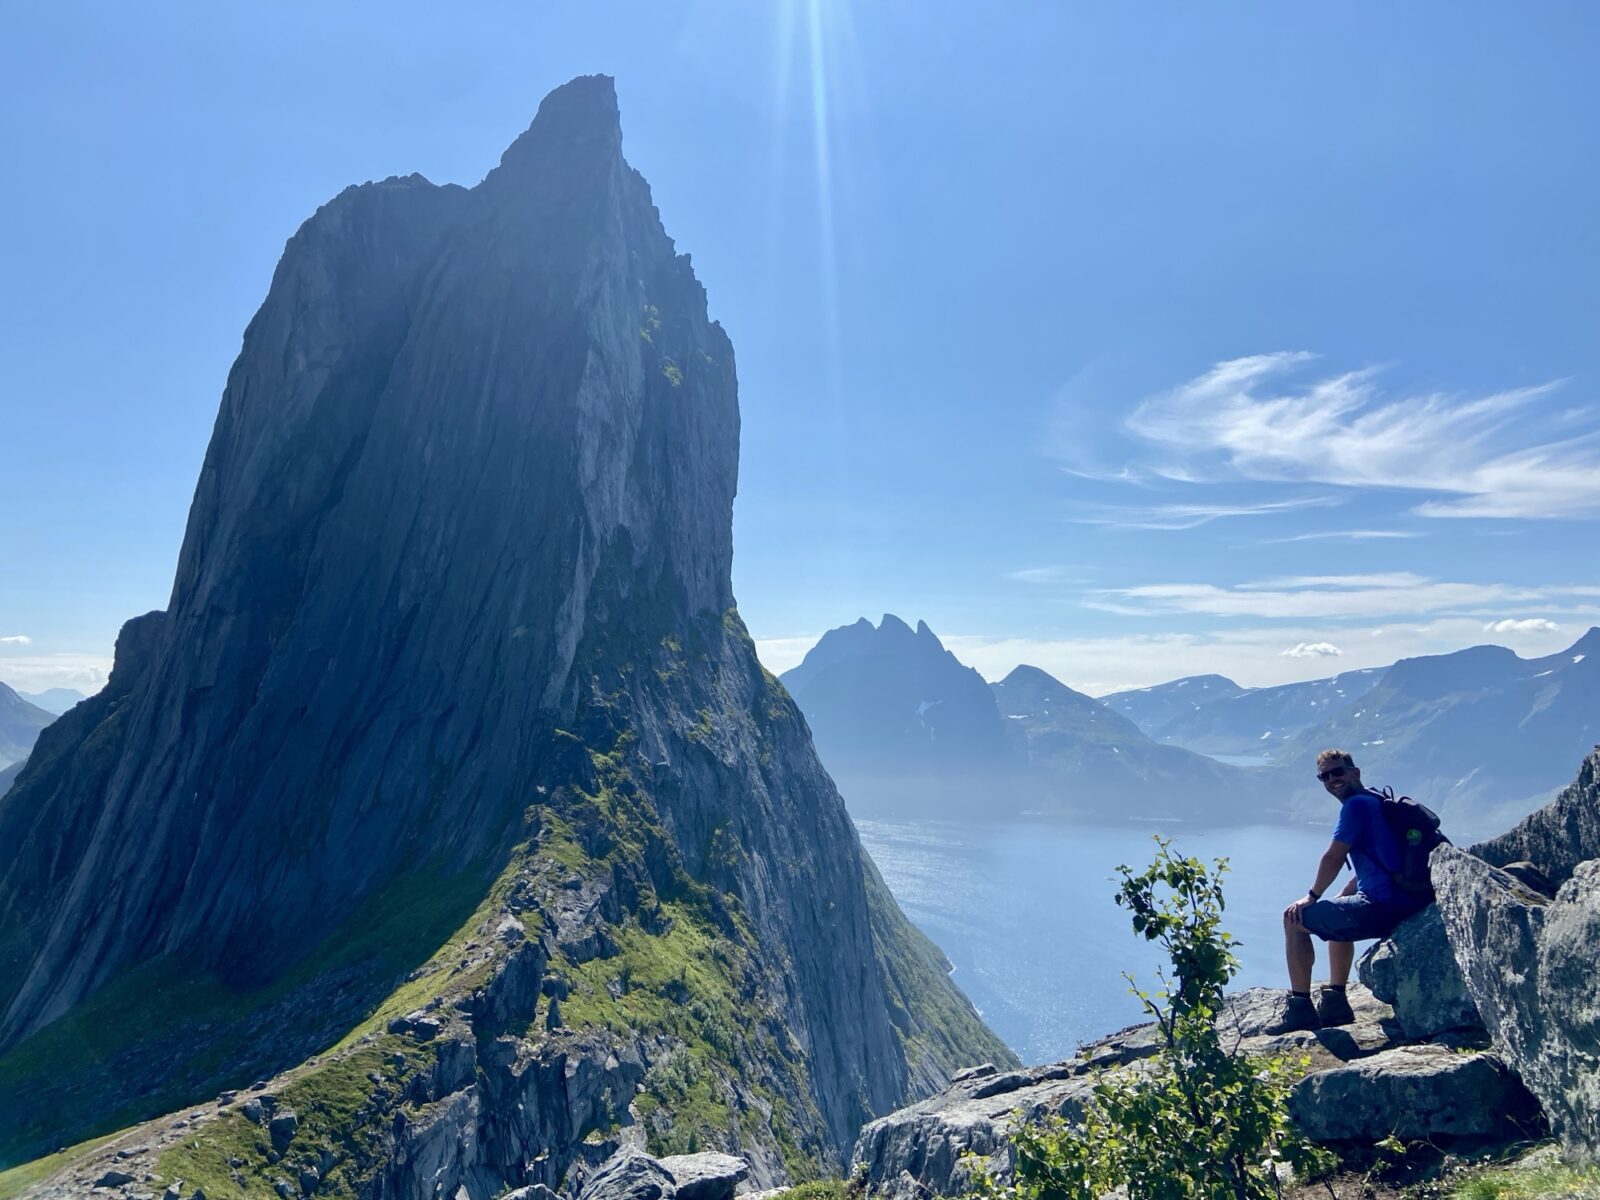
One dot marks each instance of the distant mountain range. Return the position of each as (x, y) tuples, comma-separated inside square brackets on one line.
[(906, 729), (54, 700), (20, 723), (1085, 759), (1481, 735), (1213, 715)]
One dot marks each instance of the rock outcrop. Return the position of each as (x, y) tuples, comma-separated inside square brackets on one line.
[(447, 798), (1414, 971), (1529, 963), (1424, 1092), (1559, 836), (1365, 1082)]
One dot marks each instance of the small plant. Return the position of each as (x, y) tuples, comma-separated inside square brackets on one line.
[(1205, 1122)]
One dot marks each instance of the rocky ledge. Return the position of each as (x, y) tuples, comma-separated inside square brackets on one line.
[(1366, 1081)]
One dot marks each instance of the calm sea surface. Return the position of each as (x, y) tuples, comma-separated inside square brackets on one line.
[(1025, 913)]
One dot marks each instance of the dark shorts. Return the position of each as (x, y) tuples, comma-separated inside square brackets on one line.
[(1356, 918)]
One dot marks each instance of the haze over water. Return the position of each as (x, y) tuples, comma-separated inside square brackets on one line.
[(1025, 913)]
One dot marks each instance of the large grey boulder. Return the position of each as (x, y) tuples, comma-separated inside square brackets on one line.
[(921, 1149), (706, 1176), (629, 1174), (1412, 1092), (1414, 971), (1529, 964)]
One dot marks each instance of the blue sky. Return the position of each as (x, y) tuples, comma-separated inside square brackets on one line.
[(1130, 341)]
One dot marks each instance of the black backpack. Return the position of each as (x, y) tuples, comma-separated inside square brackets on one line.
[(1416, 832)]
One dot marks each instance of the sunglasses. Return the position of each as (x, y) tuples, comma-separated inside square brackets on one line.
[(1331, 773)]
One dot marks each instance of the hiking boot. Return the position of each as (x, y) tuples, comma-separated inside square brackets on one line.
[(1298, 1014), (1333, 1008)]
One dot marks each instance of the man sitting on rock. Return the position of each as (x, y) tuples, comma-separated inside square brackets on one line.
[(1370, 906)]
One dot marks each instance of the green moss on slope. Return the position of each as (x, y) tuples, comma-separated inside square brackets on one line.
[(79, 1076), (344, 1106)]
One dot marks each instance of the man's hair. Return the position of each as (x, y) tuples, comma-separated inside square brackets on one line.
[(1334, 758)]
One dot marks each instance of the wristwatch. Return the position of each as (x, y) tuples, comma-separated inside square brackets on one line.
[(1314, 894)]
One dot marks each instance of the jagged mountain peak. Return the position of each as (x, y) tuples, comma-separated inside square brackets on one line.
[(581, 114), (1023, 674), (451, 706), (892, 626)]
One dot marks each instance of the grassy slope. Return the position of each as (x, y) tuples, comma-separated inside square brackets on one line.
[(76, 1078)]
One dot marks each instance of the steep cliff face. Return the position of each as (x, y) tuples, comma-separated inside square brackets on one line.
[(452, 650)]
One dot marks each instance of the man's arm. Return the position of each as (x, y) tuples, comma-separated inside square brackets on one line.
[(1332, 862)]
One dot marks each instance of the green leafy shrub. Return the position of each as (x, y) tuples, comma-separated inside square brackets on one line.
[(1204, 1122)]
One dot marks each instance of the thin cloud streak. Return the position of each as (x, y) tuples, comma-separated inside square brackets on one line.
[(1354, 597), (1191, 516), (1047, 575), (1354, 535), (1495, 456)]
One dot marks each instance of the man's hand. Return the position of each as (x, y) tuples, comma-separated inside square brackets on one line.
[(1291, 915)]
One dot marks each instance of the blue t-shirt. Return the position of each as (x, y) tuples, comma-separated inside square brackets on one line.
[(1373, 850)]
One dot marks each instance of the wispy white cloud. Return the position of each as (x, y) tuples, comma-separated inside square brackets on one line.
[(1346, 597), (1382, 579), (39, 672), (1508, 454), (1525, 625), (1352, 535), (16, 639), (1311, 650), (1190, 516), (1044, 575)]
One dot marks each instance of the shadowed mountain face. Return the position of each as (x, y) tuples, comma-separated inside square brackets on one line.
[(20, 723), (452, 619), (903, 726)]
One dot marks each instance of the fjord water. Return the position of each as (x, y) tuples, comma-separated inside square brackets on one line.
[(1024, 910)]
